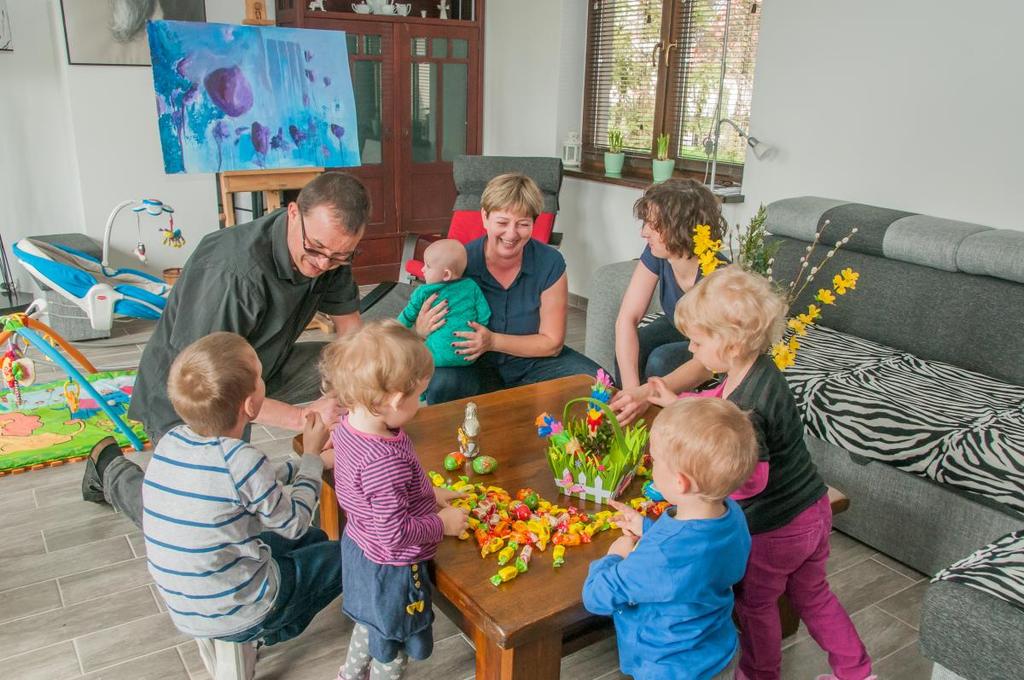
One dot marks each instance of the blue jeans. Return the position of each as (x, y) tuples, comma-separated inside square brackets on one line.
[(310, 570), (494, 372), (663, 349)]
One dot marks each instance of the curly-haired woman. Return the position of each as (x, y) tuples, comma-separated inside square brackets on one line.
[(669, 211)]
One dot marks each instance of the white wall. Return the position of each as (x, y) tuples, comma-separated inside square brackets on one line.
[(912, 105), (534, 58), (84, 138), (39, 189)]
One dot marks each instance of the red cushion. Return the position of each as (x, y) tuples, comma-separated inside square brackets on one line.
[(467, 225), (414, 267)]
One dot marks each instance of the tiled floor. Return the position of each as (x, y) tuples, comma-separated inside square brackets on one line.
[(76, 600)]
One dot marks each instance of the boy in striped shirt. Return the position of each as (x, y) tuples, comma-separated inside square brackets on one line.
[(229, 545)]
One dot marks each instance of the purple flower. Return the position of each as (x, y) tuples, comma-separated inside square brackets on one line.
[(260, 138), (191, 95), (277, 141), (310, 76), (229, 90), (221, 131), (327, 81), (308, 55), (337, 131), (297, 135)]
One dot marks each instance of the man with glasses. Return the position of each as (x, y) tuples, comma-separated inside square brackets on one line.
[(264, 280)]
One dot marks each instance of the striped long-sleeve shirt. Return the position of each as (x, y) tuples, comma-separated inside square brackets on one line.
[(388, 500), (205, 501)]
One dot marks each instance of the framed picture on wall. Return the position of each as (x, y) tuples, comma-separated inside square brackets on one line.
[(113, 32), (6, 41)]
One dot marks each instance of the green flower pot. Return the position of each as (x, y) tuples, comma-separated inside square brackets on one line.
[(613, 163), (662, 170)]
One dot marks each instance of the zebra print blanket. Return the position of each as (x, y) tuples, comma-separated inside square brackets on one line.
[(953, 426), (996, 569)]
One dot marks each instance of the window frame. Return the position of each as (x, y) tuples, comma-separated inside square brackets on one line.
[(638, 164)]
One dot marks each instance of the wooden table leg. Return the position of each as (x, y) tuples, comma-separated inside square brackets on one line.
[(329, 520), (537, 660)]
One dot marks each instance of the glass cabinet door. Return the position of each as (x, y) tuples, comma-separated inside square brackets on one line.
[(443, 120)]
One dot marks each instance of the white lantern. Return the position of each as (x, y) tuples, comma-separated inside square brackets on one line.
[(572, 151)]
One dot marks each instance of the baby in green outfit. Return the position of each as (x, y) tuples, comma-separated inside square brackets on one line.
[(444, 262)]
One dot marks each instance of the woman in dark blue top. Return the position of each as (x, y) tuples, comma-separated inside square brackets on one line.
[(525, 284), (669, 212)]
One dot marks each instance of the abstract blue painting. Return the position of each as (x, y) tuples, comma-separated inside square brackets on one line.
[(232, 97)]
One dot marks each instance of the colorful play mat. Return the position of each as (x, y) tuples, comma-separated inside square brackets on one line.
[(45, 430)]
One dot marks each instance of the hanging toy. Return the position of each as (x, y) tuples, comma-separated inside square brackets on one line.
[(140, 251), (72, 395), (16, 370), (172, 236)]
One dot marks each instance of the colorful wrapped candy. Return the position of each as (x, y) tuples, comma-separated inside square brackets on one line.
[(504, 575), (506, 554), (523, 561), (454, 461), (558, 556)]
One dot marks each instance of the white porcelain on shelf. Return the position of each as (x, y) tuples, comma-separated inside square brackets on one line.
[(403, 8), (361, 8)]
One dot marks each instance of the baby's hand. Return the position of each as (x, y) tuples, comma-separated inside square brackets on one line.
[(314, 434), (660, 394), (444, 497), (454, 520), (629, 520), (622, 546)]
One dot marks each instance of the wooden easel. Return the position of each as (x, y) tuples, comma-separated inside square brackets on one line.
[(270, 182)]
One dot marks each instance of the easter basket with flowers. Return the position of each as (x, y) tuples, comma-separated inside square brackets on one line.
[(592, 457)]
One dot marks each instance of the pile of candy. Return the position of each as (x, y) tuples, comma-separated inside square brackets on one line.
[(508, 525)]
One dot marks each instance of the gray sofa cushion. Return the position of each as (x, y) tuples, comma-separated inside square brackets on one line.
[(997, 569), (997, 252), (971, 633), (929, 241), (969, 321), (936, 420), (798, 217)]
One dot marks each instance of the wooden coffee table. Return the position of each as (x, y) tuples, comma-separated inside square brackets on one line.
[(521, 628)]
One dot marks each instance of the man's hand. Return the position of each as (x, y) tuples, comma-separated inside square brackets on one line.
[(314, 434), (431, 316), (327, 407), (629, 520), (630, 403), (474, 343), (444, 497), (622, 546)]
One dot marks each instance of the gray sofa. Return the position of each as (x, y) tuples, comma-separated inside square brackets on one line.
[(913, 402)]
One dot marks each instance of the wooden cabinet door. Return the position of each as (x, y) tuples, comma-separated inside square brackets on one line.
[(371, 60), (439, 100)]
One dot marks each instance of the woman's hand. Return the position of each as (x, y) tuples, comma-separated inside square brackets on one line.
[(630, 403), (622, 546), (431, 316), (660, 394), (327, 407), (629, 520), (444, 497), (474, 343)]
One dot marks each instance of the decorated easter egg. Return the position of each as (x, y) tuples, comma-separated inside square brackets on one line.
[(484, 465), (454, 461)]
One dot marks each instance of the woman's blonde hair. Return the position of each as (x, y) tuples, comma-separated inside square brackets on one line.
[(514, 192), (739, 308), (709, 440), (366, 366), (210, 380)]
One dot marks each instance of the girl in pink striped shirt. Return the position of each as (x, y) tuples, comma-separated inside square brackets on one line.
[(395, 517)]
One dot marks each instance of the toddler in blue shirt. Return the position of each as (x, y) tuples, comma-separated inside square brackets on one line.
[(668, 583)]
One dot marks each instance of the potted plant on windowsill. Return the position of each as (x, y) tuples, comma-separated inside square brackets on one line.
[(614, 157), (662, 166)]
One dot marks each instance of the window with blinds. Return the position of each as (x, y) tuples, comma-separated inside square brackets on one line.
[(654, 66)]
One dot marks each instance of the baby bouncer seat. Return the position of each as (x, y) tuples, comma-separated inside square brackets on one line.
[(100, 291)]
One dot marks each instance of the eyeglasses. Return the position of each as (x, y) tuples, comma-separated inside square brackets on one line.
[(336, 260)]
